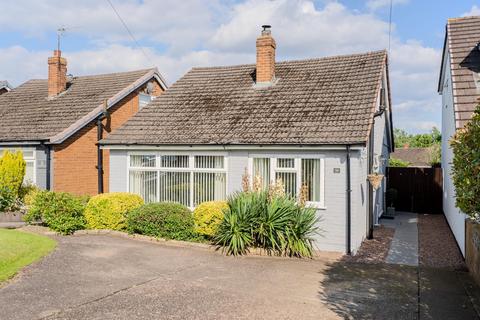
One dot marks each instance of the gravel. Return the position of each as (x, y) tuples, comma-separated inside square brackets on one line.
[(436, 245), (376, 249)]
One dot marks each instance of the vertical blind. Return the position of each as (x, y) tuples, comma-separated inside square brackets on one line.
[(311, 178), (306, 173), (189, 180), (261, 168)]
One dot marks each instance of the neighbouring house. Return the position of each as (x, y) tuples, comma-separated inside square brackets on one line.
[(58, 121), (459, 85), (318, 125), (4, 87), (415, 157)]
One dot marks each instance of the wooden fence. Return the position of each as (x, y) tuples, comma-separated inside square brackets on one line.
[(419, 189)]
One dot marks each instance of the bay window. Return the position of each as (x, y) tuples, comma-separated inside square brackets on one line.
[(187, 179), (296, 173)]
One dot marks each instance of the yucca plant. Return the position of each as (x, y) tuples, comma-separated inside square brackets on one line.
[(300, 233), (234, 233), (277, 224)]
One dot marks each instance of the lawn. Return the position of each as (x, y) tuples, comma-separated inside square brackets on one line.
[(19, 249)]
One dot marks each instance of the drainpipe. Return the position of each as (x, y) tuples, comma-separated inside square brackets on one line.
[(371, 150), (349, 203), (47, 151), (103, 116)]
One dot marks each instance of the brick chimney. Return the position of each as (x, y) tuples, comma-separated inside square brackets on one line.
[(57, 74), (265, 56)]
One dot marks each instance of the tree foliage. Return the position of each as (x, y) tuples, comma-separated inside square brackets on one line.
[(394, 162), (466, 167), (12, 171), (422, 140)]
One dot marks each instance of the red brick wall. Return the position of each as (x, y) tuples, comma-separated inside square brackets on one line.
[(75, 160)]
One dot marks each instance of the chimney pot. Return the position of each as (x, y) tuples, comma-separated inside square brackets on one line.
[(266, 46), (57, 74)]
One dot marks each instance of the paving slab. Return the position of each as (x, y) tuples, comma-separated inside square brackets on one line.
[(404, 247)]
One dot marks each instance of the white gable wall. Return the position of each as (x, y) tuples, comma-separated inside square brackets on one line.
[(455, 218)]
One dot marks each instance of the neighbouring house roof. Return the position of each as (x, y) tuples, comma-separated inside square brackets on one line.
[(27, 114), (318, 101), (461, 39), (416, 157)]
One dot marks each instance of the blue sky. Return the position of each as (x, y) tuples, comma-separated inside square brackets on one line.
[(177, 35)]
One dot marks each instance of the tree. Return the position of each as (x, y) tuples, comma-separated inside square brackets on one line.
[(394, 162), (422, 140), (466, 167)]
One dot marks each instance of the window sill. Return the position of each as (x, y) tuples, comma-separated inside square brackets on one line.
[(316, 206)]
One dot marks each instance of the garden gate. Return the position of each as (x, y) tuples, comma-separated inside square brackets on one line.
[(419, 189)]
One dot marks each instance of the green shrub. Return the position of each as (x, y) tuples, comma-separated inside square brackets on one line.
[(60, 211), (12, 171), (168, 220), (277, 224), (207, 217), (27, 194), (466, 167), (7, 199), (394, 162), (109, 210)]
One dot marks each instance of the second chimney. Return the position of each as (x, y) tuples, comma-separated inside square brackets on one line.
[(265, 56), (57, 74)]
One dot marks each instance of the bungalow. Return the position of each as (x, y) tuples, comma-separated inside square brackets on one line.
[(459, 85), (58, 121), (320, 125)]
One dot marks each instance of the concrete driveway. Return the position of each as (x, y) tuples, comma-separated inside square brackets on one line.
[(107, 277)]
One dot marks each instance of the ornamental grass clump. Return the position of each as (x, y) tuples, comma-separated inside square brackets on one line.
[(466, 167), (266, 220)]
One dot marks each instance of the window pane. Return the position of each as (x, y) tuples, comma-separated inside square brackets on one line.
[(147, 161), (209, 186), (174, 161), (311, 178), (144, 183), (175, 187), (285, 163), (29, 172), (261, 169), (209, 162), (28, 154), (143, 100), (289, 180)]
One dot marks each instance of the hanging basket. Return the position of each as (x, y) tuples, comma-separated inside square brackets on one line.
[(375, 180)]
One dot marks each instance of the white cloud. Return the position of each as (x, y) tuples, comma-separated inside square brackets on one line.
[(474, 11), (178, 35), (377, 4)]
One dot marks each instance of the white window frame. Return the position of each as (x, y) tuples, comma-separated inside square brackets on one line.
[(297, 169), (191, 168), (32, 159)]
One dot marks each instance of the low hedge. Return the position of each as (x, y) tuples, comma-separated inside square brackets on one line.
[(60, 211), (207, 217), (109, 210), (165, 220)]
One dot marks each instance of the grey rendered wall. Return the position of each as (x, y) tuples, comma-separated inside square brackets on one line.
[(41, 167), (333, 216), (118, 171), (455, 218)]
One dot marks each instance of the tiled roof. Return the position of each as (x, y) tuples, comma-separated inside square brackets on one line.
[(26, 114), (463, 34), (416, 157), (318, 101)]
